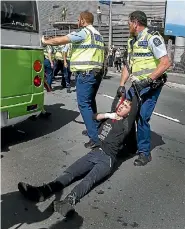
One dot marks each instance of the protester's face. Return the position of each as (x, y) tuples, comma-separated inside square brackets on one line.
[(124, 109)]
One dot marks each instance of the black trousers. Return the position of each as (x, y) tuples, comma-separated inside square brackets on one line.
[(95, 165)]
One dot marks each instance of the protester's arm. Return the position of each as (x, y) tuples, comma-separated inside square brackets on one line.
[(100, 116)]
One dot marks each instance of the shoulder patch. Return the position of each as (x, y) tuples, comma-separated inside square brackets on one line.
[(157, 41)]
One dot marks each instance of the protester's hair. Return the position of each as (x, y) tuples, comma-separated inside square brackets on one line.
[(129, 102), (138, 16), (87, 16)]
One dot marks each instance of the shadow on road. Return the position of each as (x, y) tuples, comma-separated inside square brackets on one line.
[(16, 210), (74, 222), (29, 129), (156, 140)]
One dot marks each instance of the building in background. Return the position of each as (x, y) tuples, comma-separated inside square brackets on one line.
[(51, 21)]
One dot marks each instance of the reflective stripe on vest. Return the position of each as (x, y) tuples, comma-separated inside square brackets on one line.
[(88, 46), (142, 72), (141, 57), (87, 63), (88, 54), (142, 54)]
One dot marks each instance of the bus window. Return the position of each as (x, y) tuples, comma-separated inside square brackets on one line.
[(19, 15)]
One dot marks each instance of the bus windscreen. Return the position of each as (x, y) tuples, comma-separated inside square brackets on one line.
[(19, 15)]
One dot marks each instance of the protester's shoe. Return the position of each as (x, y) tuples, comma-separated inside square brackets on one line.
[(68, 90), (45, 114), (90, 144), (65, 207), (85, 133), (142, 159), (39, 193)]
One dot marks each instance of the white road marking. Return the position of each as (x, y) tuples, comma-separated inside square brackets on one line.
[(155, 113), (166, 117)]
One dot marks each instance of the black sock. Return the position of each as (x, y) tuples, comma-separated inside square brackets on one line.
[(55, 186)]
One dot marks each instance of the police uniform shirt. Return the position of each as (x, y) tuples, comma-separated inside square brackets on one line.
[(157, 45), (81, 35), (77, 36)]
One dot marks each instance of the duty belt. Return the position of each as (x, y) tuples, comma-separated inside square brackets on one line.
[(95, 71), (160, 81)]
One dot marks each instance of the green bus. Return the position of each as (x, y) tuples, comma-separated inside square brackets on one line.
[(22, 70)]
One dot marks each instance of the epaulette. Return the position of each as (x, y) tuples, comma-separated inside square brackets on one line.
[(153, 32)]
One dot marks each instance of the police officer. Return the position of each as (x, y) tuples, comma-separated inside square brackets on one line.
[(49, 63), (59, 64), (67, 73), (87, 57), (148, 61)]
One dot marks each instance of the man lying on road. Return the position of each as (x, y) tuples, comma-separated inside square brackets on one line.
[(97, 164)]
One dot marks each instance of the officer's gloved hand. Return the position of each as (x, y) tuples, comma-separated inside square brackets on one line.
[(121, 92), (141, 84)]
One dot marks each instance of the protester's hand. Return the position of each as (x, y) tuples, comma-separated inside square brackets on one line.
[(141, 84), (121, 92)]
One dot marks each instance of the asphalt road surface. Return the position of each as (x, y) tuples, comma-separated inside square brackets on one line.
[(146, 197)]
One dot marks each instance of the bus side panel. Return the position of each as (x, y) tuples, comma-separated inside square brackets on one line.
[(16, 72), (19, 94), (21, 109)]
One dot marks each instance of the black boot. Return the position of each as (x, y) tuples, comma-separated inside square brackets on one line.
[(65, 207), (40, 193), (85, 133), (142, 159), (91, 144), (68, 90)]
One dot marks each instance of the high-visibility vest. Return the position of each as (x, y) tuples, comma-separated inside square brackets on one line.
[(89, 54), (59, 52), (49, 49), (141, 58)]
